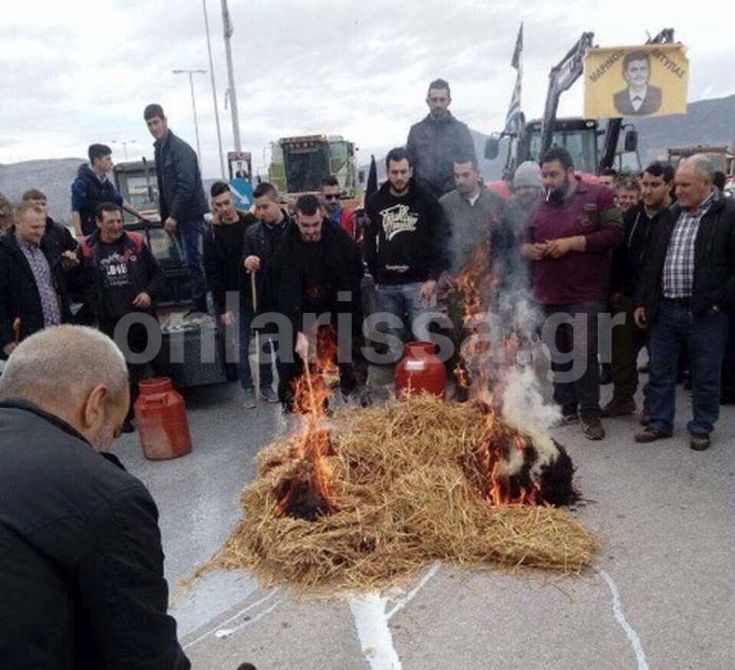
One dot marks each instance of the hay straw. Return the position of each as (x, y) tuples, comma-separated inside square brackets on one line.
[(403, 502)]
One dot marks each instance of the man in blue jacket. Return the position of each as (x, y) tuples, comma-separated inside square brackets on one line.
[(182, 202)]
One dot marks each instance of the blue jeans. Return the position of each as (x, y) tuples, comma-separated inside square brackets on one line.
[(705, 336), (189, 233), (243, 366), (401, 300)]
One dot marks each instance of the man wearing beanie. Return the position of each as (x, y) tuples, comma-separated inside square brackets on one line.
[(526, 187)]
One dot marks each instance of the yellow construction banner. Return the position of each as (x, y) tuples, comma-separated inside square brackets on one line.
[(647, 80)]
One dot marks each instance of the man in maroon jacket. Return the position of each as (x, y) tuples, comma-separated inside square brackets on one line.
[(570, 236)]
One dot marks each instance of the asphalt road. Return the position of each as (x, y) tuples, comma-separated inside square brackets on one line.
[(661, 595)]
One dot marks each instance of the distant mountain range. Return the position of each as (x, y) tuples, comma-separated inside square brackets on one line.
[(53, 176), (706, 122)]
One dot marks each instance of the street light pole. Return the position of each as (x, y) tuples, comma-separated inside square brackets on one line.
[(214, 92), (191, 74), (125, 145), (232, 93)]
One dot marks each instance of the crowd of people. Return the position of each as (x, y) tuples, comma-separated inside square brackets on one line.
[(654, 251), (589, 250)]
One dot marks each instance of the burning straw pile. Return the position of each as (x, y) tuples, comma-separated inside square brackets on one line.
[(382, 492)]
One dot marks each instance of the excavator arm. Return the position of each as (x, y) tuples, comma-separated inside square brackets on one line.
[(561, 78)]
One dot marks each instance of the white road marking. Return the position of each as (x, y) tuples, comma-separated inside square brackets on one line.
[(373, 631), (213, 630), (401, 603), (632, 636), (371, 622), (223, 633)]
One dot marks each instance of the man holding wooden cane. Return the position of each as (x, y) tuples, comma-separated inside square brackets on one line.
[(261, 242)]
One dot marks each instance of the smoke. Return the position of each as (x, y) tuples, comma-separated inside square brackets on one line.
[(514, 317), (524, 408)]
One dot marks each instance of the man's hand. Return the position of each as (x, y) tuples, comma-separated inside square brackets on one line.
[(8, 348), (252, 264), (640, 317), (69, 260), (169, 225), (302, 346), (534, 252), (562, 246), (227, 319), (427, 291), (142, 301)]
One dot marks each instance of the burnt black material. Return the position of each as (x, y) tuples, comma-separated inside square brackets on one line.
[(556, 480)]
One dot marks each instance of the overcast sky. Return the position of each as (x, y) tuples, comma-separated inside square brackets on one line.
[(75, 72)]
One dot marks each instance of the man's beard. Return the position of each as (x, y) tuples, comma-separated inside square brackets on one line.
[(556, 196)]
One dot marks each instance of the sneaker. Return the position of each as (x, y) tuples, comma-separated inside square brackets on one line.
[(618, 406), (592, 427), (650, 434), (248, 399), (699, 442), (269, 395)]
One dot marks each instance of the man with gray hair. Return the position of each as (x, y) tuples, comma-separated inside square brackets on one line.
[(81, 564), (685, 291)]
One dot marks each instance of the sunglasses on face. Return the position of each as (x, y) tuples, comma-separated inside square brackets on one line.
[(331, 196)]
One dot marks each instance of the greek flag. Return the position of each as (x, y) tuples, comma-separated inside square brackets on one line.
[(513, 117)]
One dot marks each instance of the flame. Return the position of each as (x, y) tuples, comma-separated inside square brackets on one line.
[(497, 445), (474, 286), (312, 444)]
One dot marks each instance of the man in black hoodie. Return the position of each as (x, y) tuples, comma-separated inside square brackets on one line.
[(124, 278), (313, 282), (92, 187), (262, 240), (224, 241), (406, 245)]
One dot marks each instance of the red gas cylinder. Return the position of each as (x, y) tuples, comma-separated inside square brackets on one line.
[(420, 371), (162, 424)]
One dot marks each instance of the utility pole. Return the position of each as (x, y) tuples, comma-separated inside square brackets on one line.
[(125, 145), (191, 74), (214, 93), (231, 92)]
